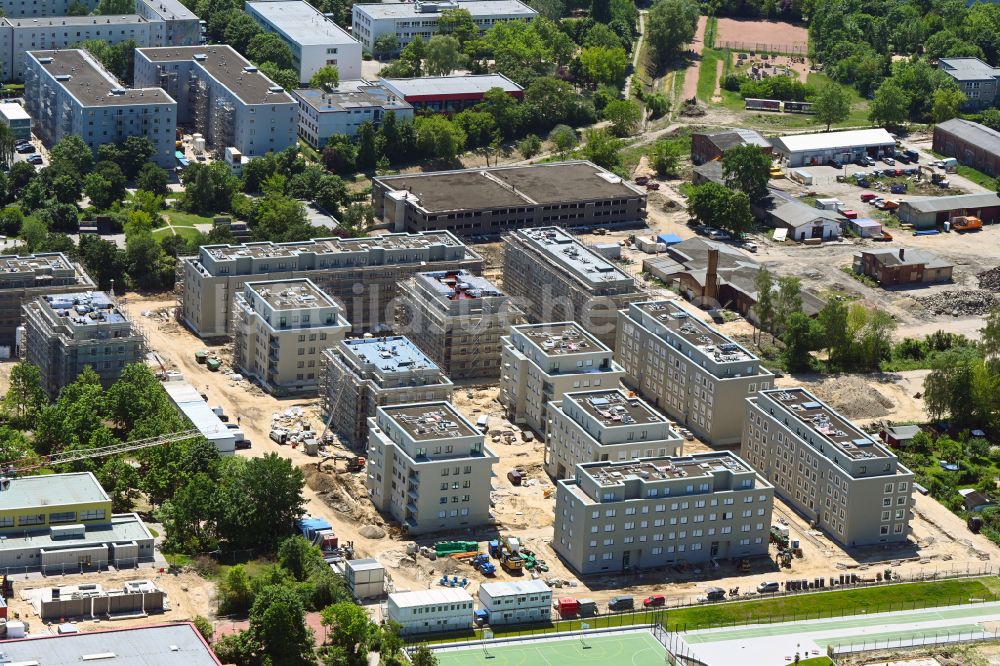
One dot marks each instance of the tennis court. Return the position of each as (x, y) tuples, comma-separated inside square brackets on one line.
[(637, 648)]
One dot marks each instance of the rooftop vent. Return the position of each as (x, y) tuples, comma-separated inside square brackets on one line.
[(250, 68), (200, 56), (63, 77), (276, 89)]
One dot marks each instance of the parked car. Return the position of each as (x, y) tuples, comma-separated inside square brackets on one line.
[(863, 183), (898, 188), (719, 235), (25, 148), (889, 161), (768, 587), (34, 159), (868, 196), (867, 160), (621, 603), (749, 246), (654, 600), (903, 159), (243, 444), (912, 155)]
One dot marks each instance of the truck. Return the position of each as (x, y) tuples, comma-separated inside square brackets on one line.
[(482, 564), (964, 223), (568, 607)]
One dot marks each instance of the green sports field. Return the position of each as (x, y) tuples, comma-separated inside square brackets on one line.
[(634, 649)]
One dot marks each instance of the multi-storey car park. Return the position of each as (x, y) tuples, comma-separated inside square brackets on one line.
[(22, 279), (409, 20), (280, 330), (457, 318), (314, 39), (608, 425), (556, 277), (70, 93), (494, 200), (362, 374), (828, 469), (542, 362), (428, 467), (655, 512), (362, 273), (221, 95), (65, 333), (688, 369)]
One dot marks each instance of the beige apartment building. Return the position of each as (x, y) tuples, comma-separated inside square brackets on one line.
[(457, 318), (610, 425), (541, 362), (429, 468), (654, 512), (24, 278), (280, 329), (833, 473), (363, 274), (557, 278), (65, 333), (688, 369), (365, 373)]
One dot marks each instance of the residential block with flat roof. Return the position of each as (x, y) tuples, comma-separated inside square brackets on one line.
[(978, 81), (457, 318), (661, 511), (608, 425), (494, 200), (407, 20), (556, 277), (362, 273), (69, 93), (831, 471), (688, 369), (24, 278), (429, 468), (280, 330), (362, 374), (542, 362), (324, 113), (221, 95), (314, 38), (63, 522), (66, 333)]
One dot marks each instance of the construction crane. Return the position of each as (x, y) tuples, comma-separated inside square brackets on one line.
[(63, 457)]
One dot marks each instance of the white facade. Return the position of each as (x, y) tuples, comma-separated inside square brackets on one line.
[(315, 40), (516, 602), (437, 610), (323, 114), (408, 20)]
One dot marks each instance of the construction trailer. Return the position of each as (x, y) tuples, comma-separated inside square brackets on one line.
[(516, 602), (457, 319), (365, 578), (427, 611)]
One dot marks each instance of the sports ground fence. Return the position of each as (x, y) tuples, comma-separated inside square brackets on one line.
[(929, 639), (791, 48)]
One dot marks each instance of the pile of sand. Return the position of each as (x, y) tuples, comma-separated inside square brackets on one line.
[(853, 396)]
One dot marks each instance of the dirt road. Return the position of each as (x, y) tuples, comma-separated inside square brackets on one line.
[(695, 47)]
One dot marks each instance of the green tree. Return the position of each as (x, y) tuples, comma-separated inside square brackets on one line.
[(25, 395), (599, 34), (605, 65), (235, 593), (444, 55), (991, 118), (239, 649), (104, 261), (278, 624), (670, 25), (439, 138), (832, 104), (268, 47), (747, 169), (107, 7), (77, 8), (153, 178), (665, 157), (789, 300), (718, 206), (764, 308), (204, 627), (947, 102), (529, 146), (348, 626), (327, 75), (890, 106), (6, 146), (797, 337), (73, 153), (519, 51), (423, 656), (386, 44), (564, 138), (836, 338), (273, 486), (240, 31), (367, 146), (458, 23), (285, 77), (504, 109), (34, 233), (297, 556), (479, 127), (600, 11), (130, 155), (624, 115), (602, 148), (281, 219), (657, 104)]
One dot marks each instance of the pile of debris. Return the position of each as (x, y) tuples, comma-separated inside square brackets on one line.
[(968, 303), (692, 107), (990, 279)]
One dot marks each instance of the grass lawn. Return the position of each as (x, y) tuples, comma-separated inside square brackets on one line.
[(707, 73), (977, 177), (816, 661), (182, 219), (188, 233)]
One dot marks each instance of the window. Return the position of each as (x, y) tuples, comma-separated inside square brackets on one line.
[(34, 519), (62, 517), (93, 514)]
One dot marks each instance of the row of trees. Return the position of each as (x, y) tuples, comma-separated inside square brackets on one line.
[(917, 92), (745, 171)]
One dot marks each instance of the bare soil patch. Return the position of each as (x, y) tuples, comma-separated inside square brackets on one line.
[(762, 35)]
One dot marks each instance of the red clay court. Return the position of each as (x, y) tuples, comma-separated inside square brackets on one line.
[(776, 36)]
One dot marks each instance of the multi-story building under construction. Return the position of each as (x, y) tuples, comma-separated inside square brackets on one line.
[(280, 329), (222, 96), (557, 278), (23, 279), (65, 333), (362, 273), (457, 318), (362, 374)]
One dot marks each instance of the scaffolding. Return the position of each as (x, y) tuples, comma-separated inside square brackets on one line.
[(200, 104), (222, 134)]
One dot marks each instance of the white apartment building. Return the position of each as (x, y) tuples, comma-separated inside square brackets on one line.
[(436, 610), (837, 476), (408, 20), (516, 602), (609, 425), (280, 330), (688, 369), (539, 363), (654, 512), (323, 114), (428, 467), (315, 40)]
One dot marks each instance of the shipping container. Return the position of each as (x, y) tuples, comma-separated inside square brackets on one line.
[(763, 104)]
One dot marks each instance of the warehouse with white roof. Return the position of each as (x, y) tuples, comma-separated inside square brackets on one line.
[(435, 610), (516, 602), (839, 147)]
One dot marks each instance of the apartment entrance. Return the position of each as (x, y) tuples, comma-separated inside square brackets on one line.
[(714, 550)]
